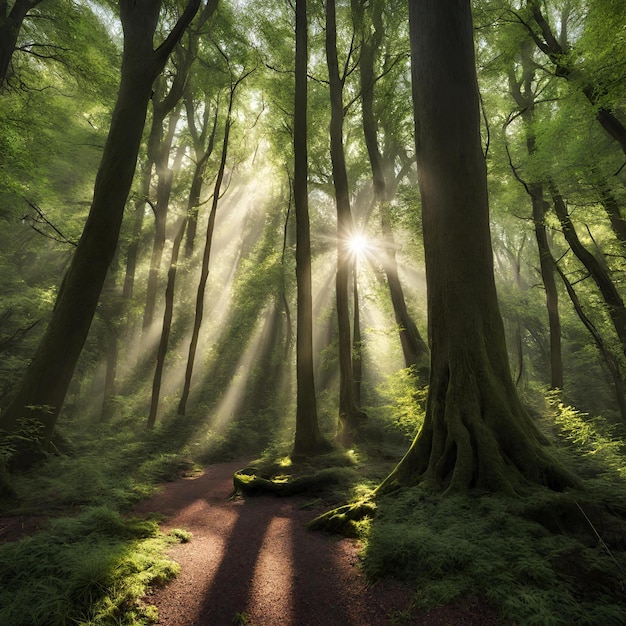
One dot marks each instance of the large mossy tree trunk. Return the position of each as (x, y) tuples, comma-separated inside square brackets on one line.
[(45, 383), (308, 439), (476, 432)]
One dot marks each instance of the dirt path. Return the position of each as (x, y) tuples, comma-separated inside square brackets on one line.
[(254, 559), (255, 556)]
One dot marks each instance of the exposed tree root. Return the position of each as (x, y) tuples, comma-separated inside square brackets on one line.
[(247, 482), (342, 520)]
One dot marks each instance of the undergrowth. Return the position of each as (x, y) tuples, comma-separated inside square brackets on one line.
[(544, 559), (88, 569), (90, 564)]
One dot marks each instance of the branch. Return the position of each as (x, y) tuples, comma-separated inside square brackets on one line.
[(162, 53), (18, 334), (41, 218)]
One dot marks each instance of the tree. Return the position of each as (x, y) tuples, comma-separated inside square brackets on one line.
[(308, 439), (414, 348), (476, 432), (349, 411), (522, 92), (558, 50), (206, 255), (42, 391), (10, 24)]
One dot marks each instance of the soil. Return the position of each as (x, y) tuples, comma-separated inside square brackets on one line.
[(252, 561)]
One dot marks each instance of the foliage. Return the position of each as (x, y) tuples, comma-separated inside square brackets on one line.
[(548, 558), (400, 403), (88, 569)]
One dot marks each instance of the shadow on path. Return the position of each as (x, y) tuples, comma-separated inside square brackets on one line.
[(255, 557)]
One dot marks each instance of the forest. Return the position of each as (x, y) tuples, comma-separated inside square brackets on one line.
[(354, 264)]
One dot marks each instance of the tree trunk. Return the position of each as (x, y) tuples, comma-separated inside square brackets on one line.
[(546, 265), (204, 271), (414, 348), (357, 357), (522, 92), (611, 362), (44, 386), (167, 325), (600, 275), (202, 154), (165, 179), (476, 432), (349, 411), (10, 25), (308, 439)]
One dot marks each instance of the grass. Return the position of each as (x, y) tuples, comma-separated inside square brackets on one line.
[(546, 559), (90, 564), (89, 569)]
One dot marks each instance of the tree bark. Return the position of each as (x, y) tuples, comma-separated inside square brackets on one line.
[(522, 93), (349, 411), (476, 432), (167, 325), (10, 26), (600, 275), (308, 439), (414, 348), (45, 383)]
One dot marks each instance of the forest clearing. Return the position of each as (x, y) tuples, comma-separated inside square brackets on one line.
[(312, 313)]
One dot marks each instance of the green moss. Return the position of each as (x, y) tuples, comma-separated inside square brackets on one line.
[(90, 569), (462, 545)]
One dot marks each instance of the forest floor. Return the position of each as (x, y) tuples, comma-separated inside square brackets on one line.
[(252, 561)]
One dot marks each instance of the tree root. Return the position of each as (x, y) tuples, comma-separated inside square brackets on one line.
[(248, 483), (343, 520)]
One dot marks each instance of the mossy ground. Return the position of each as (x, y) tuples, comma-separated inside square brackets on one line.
[(549, 558)]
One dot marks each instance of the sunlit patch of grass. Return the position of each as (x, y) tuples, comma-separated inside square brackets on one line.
[(88, 569)]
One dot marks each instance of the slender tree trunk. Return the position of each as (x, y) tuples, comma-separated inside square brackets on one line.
[(165, 179), (202, 153), (167, 325), (349, 411), (414, 348), (204, 272), (546, 265), (612, 298), (45, 383), (610, 360), (357, 357), (110, 314), (611, 206), (308, 439), (476, 432), (283, 291), (522, 92)]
